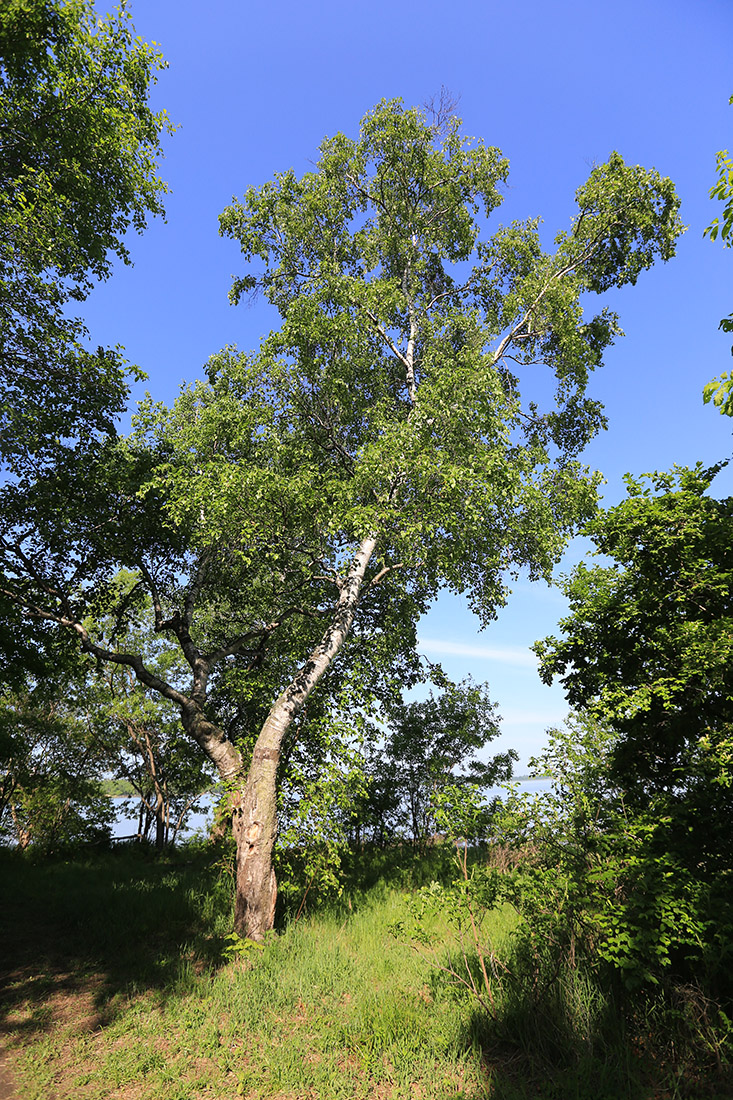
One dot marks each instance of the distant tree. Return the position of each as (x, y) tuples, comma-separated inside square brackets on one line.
[(51, 766), (146, 747), (309, 501), (140, 729), (378, 811), (63, 730), (434, 744), (78, 150)]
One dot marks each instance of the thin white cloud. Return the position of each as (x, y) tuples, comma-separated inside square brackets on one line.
[(511, 655)]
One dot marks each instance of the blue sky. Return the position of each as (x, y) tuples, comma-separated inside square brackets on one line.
[(254, 88)]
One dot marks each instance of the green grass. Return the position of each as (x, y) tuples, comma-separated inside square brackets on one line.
[(133, 999), (119, 988)]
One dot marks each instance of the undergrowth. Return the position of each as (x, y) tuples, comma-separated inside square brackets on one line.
[(120, 985)]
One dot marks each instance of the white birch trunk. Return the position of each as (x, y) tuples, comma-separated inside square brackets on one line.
[(255, 817)]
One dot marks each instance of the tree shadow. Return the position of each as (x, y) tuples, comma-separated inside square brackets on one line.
[(533, 1049), (81, 934)]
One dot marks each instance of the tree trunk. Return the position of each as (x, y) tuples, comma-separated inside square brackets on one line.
[(255, 811), (220, 828), (159, 820), (254, 823), (23, 835)]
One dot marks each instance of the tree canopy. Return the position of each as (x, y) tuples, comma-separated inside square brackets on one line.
[(310, 499), (78, 168), (648, 642), (648, 649), (52, 761)]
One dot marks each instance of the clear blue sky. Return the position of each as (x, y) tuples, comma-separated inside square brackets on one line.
[(255, 87)]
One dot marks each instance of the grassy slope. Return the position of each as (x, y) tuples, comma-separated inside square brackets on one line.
[(116, 986)]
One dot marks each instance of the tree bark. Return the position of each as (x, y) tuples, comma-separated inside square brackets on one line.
[(159, 820), (255, 812), (254, 824)]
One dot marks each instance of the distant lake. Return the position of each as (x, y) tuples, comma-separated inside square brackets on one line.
[(199, 823), (526, 786)]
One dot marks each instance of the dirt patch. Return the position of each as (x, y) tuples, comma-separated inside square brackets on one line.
[(7, 1079), (41, 990)]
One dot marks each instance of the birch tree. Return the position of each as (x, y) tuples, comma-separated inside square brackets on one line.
[(378, 447)]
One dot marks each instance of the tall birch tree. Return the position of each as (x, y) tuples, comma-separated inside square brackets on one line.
[(379, 446)]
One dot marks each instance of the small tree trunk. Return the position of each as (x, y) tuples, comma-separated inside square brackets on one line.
[(23, 835), (154, 773), (159, 820), (167, 813), (220, 828)]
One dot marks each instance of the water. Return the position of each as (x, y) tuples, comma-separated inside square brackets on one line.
[(525, 786), (199, 824)]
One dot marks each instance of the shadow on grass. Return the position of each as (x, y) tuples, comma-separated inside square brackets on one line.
[(574, 1041), (532, 1055), (78, 934)]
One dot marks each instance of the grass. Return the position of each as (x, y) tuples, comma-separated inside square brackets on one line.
[(117, 985)]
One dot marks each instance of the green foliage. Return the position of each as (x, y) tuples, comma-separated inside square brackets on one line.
[(76, 721), (322, 783), (608, 888), (51, 766), (722, 189), (461, 814), (117, 788), (78, 151), (139, 730), (429, 751), (237, 948), (609, 923), (720, 391), (595, 883), (647, 648), (648, 642), (385, 404), (498, 935)]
